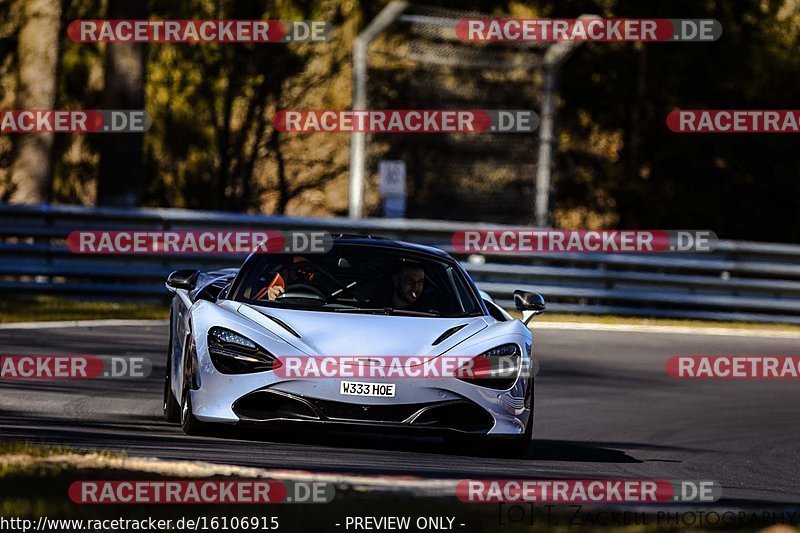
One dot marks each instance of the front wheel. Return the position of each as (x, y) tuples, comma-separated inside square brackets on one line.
[(189, 424), (516, 446), (172, 410), (510, 446), (519, 445)]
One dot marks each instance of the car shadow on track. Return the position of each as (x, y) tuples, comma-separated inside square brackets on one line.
[(352, 452), (540, 450), (579, 452), (151, 427)]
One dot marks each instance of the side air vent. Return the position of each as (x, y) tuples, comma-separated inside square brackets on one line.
[(447, 334), (282, 324)]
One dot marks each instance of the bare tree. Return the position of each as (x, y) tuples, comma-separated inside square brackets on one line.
[(37, 51)]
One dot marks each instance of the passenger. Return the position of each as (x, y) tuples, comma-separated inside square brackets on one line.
[(407, 284)]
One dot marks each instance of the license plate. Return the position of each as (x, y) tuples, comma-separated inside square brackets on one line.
[(357, 388)]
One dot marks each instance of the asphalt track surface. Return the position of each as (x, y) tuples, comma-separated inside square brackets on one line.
[(604, 409)]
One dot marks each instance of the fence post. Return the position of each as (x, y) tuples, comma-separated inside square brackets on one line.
[(358, 139)]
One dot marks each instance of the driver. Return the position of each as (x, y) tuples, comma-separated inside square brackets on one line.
[(275, 290), (298, 272)]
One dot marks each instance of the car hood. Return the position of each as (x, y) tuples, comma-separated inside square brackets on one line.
[(349, 334)]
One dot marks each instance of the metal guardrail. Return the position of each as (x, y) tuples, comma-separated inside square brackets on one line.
[(744, 281)]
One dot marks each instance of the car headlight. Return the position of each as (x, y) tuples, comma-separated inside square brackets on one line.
[(233, 353), (496, 368)]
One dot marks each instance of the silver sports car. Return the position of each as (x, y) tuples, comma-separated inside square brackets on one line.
[(268, 344)]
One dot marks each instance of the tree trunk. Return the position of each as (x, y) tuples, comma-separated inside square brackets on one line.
[(284, 194), (121, 182), (634, 159), (37, 57)]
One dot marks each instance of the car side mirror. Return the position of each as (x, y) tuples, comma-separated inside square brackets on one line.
[(183, 279), (529, 301)]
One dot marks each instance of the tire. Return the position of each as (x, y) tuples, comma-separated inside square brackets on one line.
[(189, 424), (509, 446), (172, 410), (516, 446), (171, 407), (520, 446)]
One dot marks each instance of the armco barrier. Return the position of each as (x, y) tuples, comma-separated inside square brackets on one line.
[(738, 281)]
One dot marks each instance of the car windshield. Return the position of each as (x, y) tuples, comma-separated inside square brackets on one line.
[(353, 278)]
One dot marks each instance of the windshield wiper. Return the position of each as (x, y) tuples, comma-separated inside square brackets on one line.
[(385, 311)]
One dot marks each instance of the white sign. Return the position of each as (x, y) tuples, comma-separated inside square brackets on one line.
[(392, 178), (394, 207)]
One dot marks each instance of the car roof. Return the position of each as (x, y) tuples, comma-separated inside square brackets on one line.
[(383, 242)]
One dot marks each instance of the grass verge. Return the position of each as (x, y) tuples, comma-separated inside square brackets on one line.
[(640, 321), (39, 487), (46, 308)]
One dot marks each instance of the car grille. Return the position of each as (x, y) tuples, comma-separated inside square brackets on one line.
[(270, 405)]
